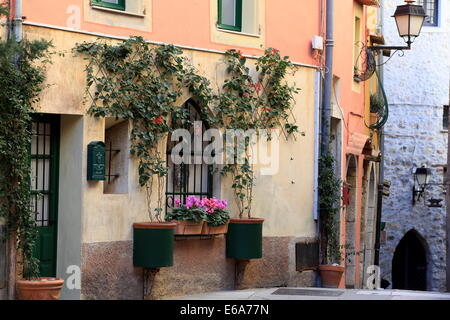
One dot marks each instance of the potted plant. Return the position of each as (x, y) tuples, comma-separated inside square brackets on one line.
[(216, 218), (23, 66), (141, 83), (252, 106), (330, 269), (188, 217)]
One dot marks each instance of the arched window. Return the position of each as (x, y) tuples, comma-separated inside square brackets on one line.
[(195, 176)]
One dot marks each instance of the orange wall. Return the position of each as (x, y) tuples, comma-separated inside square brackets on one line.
[(290, 24), (352, 102)]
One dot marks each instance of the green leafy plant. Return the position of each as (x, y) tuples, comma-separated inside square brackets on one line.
[(216, 215), (217, 218), (142, 83), (376, 103), (329, 207), (22, 79), (192, 210), (184, 213), (246, 104)]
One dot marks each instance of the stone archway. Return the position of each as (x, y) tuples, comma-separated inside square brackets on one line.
[(350, 221), (410, 263)]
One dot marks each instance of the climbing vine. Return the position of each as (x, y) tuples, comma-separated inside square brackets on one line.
[(329, 207), (21, 81), (140, 83), (246, 104)]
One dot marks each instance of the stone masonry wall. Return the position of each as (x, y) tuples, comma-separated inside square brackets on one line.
[(417, 87)]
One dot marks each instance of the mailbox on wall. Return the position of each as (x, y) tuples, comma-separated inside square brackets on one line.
[(96, 161)]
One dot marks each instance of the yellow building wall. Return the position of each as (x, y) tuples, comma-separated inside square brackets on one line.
[(284, 200)]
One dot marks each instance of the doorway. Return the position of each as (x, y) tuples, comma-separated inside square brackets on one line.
[(44, 188), (350, 222), (409, 265)]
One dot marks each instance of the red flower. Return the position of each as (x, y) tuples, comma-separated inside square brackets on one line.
[(158, 120)]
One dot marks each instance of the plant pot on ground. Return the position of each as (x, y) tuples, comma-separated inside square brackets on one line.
[(331, 275), (43, 288), (188, 217)]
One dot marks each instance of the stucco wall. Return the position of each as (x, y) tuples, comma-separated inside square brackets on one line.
[(417, 87), (284, 199)]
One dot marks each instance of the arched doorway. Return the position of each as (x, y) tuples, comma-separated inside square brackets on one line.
[(409, 265), (350, 222)]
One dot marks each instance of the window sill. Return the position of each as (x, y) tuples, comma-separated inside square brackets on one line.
[(127, 13), (239, 33), (444, 131)]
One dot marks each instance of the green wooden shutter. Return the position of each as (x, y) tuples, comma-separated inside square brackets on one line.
[(112, 4), (237, 25)]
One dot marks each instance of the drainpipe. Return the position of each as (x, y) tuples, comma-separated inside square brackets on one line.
[(17, 34), (328, 83), (381, 170), (326, 93), (17, 21)]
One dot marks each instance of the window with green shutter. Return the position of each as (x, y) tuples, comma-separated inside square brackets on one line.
[(230, 14), (112, 4)]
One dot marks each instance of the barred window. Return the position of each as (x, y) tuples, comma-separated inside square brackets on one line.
[(431, 8), (445, 118)]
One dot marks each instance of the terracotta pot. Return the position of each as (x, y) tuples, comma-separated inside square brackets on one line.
[(208, 230), (46, 288), (331, 275), (188, 227)]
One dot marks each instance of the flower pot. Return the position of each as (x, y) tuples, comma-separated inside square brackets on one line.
[(331, 275), (209, 230), (153, 244), (45, 288), (187, 227), (244, 239)]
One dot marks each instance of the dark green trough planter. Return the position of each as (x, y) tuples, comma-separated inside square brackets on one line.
[(244, 239), (153, 244)]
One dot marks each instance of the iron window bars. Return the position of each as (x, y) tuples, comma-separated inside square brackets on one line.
[(189, 179)]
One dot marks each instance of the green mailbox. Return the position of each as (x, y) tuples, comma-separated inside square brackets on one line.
[(96, 161)]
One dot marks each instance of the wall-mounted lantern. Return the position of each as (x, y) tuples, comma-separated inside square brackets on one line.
[(409, 18), (421, 180)]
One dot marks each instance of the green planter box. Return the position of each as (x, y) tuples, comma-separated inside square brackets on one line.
[(244, 239), (153, 244)]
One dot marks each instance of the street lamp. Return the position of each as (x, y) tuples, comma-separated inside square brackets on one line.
[(409, 19), (422, 179)]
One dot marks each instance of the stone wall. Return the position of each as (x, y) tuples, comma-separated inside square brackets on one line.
[(417, 87), (199, 266)]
